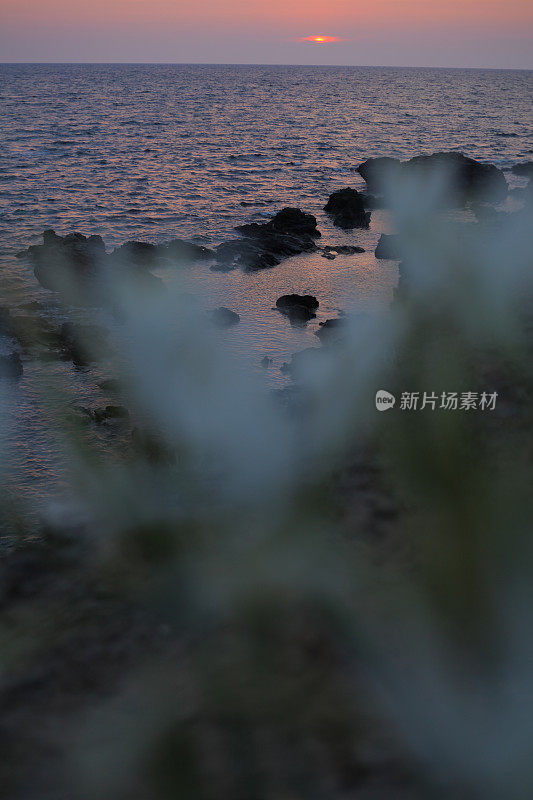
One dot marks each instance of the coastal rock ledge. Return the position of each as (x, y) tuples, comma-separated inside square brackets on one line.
[(462, 178), (289, 233)]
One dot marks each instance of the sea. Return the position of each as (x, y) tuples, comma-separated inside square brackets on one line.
[(155, 152)]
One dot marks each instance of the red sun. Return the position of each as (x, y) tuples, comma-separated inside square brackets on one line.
[(320, 39)]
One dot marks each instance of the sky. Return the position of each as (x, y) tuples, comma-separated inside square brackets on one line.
[(456, 33)]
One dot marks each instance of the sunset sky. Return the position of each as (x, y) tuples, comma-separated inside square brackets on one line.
[(492, 33)]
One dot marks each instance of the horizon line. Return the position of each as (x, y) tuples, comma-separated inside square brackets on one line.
[(255, 64)]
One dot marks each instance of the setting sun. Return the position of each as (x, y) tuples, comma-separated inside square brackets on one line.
[(320, 39)]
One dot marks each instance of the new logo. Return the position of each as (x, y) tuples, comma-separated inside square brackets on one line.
[(384, 400)]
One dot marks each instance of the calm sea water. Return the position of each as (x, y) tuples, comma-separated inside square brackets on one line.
[(160, 151)]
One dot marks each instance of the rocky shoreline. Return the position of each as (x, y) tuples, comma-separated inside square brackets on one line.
[(79, 270), (100, 637)]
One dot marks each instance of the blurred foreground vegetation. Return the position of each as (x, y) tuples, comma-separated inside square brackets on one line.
[(290, 597)]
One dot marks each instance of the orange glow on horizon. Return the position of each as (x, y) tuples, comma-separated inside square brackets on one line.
[(321, 39)]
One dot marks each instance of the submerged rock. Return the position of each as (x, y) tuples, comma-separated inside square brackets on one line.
[(11, 366), (31, 332), (223, 317), (298, 307), (266, 362), (388, 247), (347, 207), (343, 249)]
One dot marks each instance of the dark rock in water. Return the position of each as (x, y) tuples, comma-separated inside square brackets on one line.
[(343, 249), (288, 233), (347, 208), (266, 362), (138, 254), (299, 308), (291, 300), (329, 255), (244, 253), (11, 366), (292, 221), (224, 317), (78, 267), (378, 172), (331, 330), (67, 263), (111, 413), (184, 252), (388, 247), (84, 344), (464, 178), (523, 170), (30, 331)]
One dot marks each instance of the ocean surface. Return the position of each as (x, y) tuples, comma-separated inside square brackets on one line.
[(154, 152)]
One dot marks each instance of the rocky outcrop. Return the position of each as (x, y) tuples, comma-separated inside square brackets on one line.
[(347, 207), (67, 264), (332, 330), (465, 178), (79, 269), (378, 172), (136, 254), (462, 178), (249, 254), (288, 221), (224, 318), (183, 252), (388, 247), (290, 232), (297, 307)]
